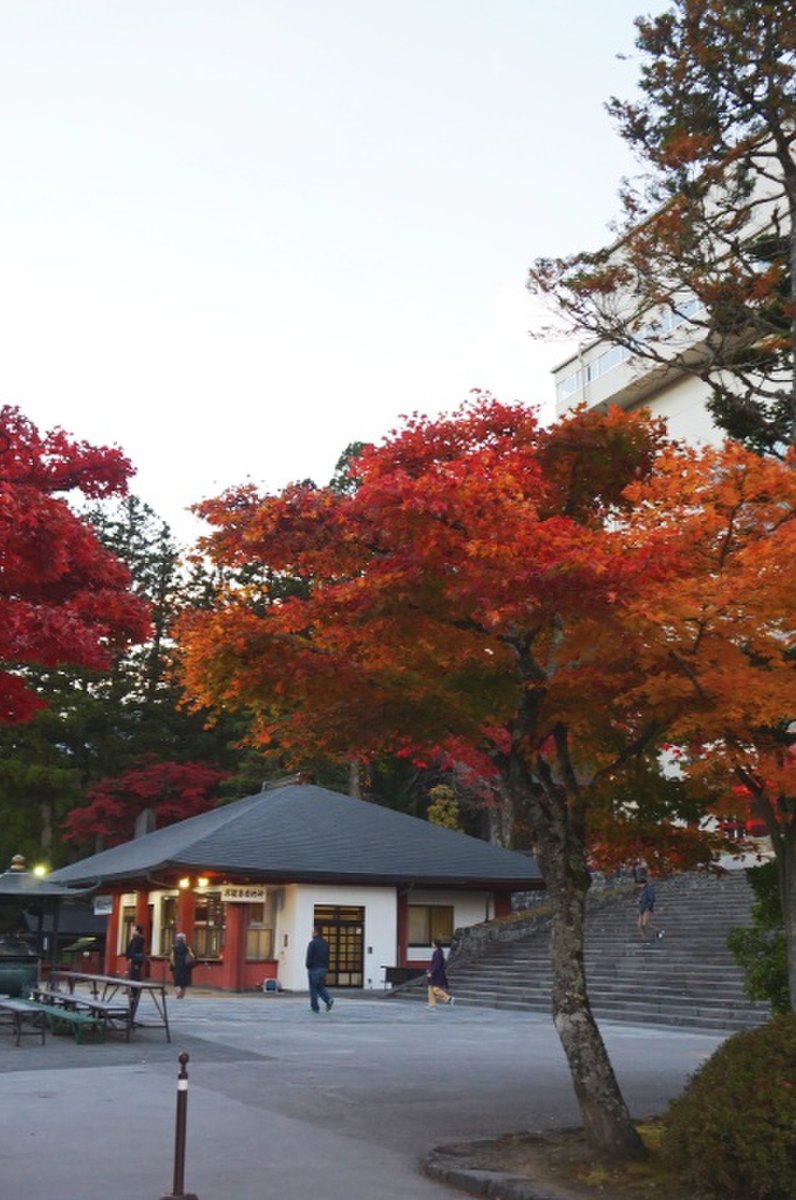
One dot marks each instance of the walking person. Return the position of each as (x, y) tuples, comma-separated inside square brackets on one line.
[(436, 978), (317, 964), (135, 953), (646, 907), (182, 960)]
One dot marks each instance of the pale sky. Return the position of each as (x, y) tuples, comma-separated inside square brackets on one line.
[(236, 236)]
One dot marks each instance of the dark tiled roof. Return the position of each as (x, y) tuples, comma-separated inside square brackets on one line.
[(300, 832), (29, 888)]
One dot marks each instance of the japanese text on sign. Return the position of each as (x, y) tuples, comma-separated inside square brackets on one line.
[(242, 893)]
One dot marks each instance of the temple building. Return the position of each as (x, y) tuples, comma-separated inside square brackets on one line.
[(246, 883)]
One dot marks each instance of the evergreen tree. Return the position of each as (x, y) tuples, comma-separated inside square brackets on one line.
[(702, 277)]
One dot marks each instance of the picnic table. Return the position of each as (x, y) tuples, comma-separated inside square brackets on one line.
[(23, 1017), (112, 998)]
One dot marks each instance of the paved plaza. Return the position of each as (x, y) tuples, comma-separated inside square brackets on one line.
[(281, 1102)]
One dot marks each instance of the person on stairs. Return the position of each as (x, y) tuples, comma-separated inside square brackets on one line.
[(646, 907)]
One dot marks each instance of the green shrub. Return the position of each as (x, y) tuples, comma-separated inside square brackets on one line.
[(732, 1134), (760, 949), (763, 958)]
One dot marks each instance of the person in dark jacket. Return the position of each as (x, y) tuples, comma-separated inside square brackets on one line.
[(317, 964), (182, 960), (436, 978), (646, 907), (135, 953)]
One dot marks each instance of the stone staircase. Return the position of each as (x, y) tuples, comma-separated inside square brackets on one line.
[(688, 978)]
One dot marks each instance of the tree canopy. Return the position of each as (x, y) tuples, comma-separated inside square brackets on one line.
[(550, 606), (64, 599), (701, 278), (481, 594), (171, 791)]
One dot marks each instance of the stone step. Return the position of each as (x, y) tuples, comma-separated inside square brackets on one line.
[(730, 1019), (688, 979), (667, 965), (599, 987)]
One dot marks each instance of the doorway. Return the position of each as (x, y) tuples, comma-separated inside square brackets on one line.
[(343, 926)]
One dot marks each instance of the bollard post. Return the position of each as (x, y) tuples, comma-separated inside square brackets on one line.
[(180, 1133)]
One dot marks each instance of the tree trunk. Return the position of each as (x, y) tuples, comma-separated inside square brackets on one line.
[(46, 835), (790, 191), (558, 821), (783, 843), (501, 818), (606, 1120)]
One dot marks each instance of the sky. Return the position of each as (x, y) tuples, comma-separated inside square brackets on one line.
[(236, 236)]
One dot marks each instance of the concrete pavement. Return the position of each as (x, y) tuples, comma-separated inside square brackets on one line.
[(341, 1106)]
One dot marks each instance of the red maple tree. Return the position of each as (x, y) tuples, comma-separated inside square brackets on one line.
[(471, 588), (64, 600), (558, 600), (172, 790), (729, 623)]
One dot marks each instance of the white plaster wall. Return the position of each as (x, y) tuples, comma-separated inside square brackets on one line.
[(687, 418), (469, 908), (284, 930), (682, 401), (294, 923), (156, 899), (125, 901)]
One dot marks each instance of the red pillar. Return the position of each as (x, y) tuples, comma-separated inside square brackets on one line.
[(142, 919), (402, 922), (112, 936), (186, 907), (235, 947), (502, 904)]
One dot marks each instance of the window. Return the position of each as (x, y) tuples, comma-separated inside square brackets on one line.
[(430, 922), (260, 929), (168, 923), (126, 926), (208, 925)]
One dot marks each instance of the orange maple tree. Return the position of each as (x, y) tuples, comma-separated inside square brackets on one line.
[(475, 587), (560, 601), (64, 599), (730, 626)]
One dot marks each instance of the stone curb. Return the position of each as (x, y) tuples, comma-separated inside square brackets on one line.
[(449, 1165)]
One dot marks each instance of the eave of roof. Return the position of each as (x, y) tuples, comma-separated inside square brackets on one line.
[(301, 833)]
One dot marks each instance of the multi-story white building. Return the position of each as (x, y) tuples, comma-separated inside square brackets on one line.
[(600, 375), (679, 334)]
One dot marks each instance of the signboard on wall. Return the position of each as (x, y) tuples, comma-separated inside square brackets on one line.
[(103, 906), (243, 893)]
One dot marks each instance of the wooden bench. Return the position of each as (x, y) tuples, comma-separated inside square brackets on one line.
[(395, 976), (114, 997), (68, 1020), (110, 1012), (20, 1012), (45, 995)]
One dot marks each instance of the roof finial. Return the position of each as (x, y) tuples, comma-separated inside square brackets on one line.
[(17, 863)]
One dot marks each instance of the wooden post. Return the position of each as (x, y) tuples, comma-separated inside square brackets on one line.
[(180, 1133)]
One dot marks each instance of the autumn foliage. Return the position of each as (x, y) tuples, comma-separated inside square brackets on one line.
[(701, 276), (469, 541), (549, 602), (552, 603), (64, 600), (172, 790)]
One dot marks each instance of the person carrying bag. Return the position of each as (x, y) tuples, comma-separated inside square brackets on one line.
[(182, 961)]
